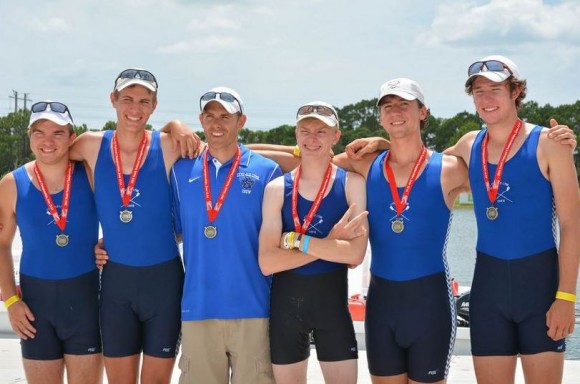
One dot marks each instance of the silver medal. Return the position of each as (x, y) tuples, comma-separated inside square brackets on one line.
[(62, 240), (210, 231), (492, 213), (397, 226), (126, 216)]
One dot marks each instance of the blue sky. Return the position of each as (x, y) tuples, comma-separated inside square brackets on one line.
[(279, 54)]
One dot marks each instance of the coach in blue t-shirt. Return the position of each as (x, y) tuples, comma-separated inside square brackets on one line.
[(218, 201)]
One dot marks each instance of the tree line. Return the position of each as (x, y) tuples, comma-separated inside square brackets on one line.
[(356, 121)]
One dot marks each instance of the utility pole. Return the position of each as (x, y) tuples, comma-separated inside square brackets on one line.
[(16, 98)]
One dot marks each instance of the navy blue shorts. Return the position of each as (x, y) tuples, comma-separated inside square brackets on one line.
[(66, 316), (141, 309), (508, 305), (410, 327), (301, 304)]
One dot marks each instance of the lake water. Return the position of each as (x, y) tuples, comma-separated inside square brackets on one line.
[(461, 257)]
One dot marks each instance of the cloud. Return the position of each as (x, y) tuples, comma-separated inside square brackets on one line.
[(460, 23), (217, 18), (53, 24), (215, 43)]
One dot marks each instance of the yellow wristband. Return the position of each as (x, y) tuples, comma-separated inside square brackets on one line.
[(291, 236), (566, 296), (11, 300), (296, 151), (288, 240)]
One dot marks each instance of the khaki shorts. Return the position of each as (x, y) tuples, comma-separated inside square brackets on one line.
[(213, 351)]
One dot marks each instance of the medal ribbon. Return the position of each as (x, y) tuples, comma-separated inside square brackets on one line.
[(401, 203), (492, 190), (212, 212), (315, 205), (59, 220), (127, 192)]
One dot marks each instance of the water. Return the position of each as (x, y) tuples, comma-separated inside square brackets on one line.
[(461, 257)]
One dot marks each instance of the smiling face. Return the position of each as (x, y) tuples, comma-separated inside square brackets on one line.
[(221, 130), (399, 116), (134, 105), (494, 102), (49, 141), (315, 138)]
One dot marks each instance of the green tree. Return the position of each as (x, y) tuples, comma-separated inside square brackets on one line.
[(14, 142)]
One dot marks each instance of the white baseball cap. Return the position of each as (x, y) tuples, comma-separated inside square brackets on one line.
[(318, 110), (496, 68), (136, 76), (227, 97), (54, 111), (402, 87)]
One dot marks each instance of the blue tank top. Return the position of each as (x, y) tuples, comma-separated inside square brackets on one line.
[(420, 249), (526, 222), (148, 239), (331, 210), (41, 256)]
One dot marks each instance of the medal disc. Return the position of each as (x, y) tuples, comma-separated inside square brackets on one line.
[(397, 226), (492, 213), (62, 240), (210, 231), (126, 216)]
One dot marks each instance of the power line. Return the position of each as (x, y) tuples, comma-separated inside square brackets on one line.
[(16, 98)]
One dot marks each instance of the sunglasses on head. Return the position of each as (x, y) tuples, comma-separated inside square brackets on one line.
[(225, 96), (54, 106), (137, 74), (490, 65), (321, 110)]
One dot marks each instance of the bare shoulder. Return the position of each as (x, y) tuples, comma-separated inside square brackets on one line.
[(454, 174), (463, 146), (86, 146), (274, 195), (276, 186), (453, 163), (355, 178), (8, 192)]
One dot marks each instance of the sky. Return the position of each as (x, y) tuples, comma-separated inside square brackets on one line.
[(279, 55)]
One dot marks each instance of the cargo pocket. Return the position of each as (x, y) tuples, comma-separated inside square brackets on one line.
[(184, 368), (264, 372)]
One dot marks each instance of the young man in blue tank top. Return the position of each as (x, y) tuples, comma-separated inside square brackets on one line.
[(142, 280), (309, 263), (218, 200), (524, 288), (406, 185), (51, 201)]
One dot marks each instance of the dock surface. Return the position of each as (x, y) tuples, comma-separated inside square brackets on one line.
[(461, 372)]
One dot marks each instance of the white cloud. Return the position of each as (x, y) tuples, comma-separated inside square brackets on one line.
[(526, 21), (53, 24), (217, 18), (202, 45)]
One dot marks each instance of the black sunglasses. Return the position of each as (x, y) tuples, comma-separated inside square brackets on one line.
[(137, 74), (225, 96), (54, 106)]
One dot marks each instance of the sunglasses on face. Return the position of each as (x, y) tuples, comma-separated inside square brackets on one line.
[(490, 65), (54, 106), (137, 74), (225, 96), (317, 109)]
